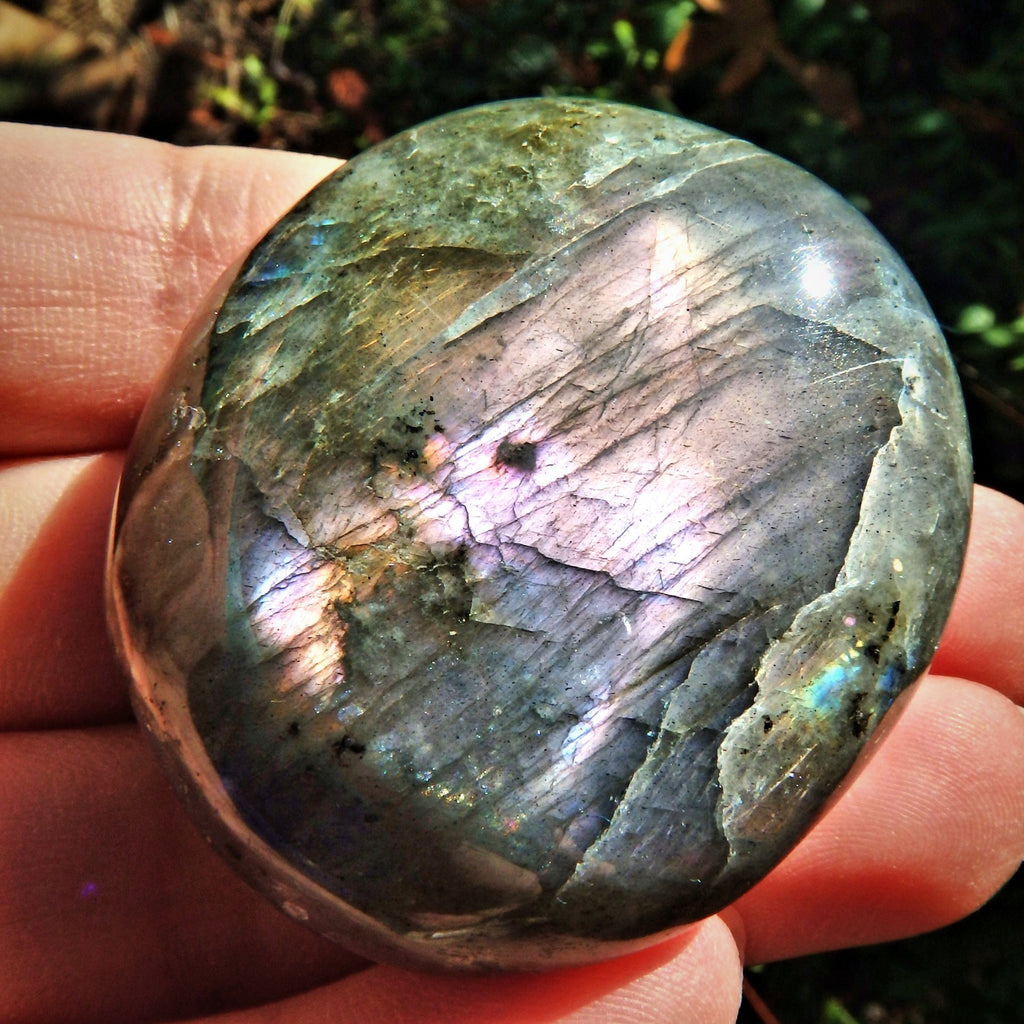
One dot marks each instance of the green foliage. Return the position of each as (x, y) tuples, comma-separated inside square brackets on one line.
[(978, 322), (254, 100), (834, 1012)]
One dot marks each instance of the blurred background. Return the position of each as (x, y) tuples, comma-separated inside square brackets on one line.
[(913, 109)]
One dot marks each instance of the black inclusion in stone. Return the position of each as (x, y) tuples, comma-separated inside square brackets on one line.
[(521, 455)]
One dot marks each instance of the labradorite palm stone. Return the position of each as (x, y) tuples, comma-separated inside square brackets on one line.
[(558, 501)]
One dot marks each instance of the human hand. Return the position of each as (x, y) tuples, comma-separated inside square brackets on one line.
[(112, 907)]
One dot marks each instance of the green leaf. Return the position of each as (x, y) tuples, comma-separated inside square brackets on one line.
[(835, 1013), (999, 337), (976, 318), (624, 35)]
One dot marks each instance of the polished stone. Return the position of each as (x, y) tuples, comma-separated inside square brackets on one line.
[(561, 497)]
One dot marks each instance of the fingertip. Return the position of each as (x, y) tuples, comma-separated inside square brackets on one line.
[(929, 830), (984, 638), (696, 976), (703, 982), (113, 243), (57, 666)]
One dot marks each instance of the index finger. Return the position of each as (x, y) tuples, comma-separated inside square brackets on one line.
[(108, 244)]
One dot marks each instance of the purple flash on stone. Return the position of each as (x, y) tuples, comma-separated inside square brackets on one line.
[(515, 566)]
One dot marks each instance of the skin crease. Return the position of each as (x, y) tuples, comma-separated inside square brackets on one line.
[(112, 908)]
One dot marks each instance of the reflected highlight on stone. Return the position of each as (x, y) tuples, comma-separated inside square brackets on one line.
[(559, 500)]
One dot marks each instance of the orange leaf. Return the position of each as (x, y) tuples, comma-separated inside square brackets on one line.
[(675, 55), (348, 88), (697, 45)]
